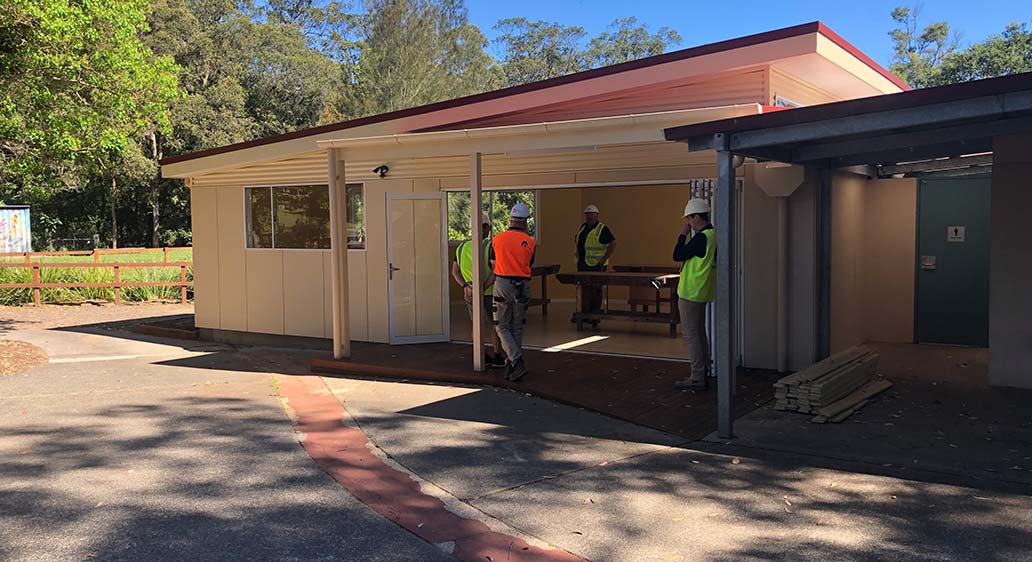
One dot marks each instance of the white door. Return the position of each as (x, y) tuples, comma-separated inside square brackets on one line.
[(417, 267)]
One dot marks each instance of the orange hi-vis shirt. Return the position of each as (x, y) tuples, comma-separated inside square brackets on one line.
[(513, 252)]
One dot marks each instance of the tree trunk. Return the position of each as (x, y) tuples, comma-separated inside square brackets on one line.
[(155, 192), (156, 212), (114, 218)]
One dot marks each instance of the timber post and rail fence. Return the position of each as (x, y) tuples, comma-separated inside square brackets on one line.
[(117, 285)]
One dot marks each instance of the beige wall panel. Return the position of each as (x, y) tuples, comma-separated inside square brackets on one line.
[(559, 217), (376, 254), (426, 185), (264, 287), (510, 180), (327, 295), (649, 174), (428, 264), (644, 220), (304, 306), (205, 227), (802, 264), (1011, 273), (887, 275), (760, 276), (232, 260), (358, 300), (796, 90), (847, 253)]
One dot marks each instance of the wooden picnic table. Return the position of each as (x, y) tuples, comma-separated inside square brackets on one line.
[(657, 281), (543, 271)]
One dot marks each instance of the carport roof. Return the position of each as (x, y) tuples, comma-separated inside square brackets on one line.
[(946, 121)]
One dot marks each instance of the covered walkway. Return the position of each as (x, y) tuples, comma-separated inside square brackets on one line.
[(956, 130)]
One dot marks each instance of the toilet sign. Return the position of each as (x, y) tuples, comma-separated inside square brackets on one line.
[(954, 233)]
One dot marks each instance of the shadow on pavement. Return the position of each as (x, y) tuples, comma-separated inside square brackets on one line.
[(184, 479)]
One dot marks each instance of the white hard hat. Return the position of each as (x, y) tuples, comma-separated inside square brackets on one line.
[(485, 219), (520, 211), (696, 206), (591, 209)]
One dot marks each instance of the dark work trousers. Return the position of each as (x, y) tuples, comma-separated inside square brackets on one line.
[(591, 300)]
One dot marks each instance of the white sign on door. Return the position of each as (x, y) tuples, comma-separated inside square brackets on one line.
[(954, 233)]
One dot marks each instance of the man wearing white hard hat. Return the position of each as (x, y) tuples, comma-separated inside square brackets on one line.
[(462, 273), (697, 287), (512, 255), (595, 244)]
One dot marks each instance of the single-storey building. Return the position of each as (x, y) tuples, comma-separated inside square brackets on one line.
[(277, 253)]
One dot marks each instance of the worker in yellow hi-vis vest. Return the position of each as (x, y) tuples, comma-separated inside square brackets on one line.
[(595, 244), (462, 272), (696, 288)]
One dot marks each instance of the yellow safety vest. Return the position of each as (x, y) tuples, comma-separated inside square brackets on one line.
[(594, 249), (464, 255), (698, 281)]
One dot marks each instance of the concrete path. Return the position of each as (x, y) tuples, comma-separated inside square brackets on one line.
[(135, 450), (128, 448), (609, 491)]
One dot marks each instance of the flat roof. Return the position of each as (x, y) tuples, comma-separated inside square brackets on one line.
[(953, 121), (861, 106), (712, 48)]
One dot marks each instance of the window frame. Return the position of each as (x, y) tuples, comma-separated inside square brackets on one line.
[(272, 213)]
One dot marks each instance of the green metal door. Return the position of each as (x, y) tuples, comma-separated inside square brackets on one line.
[(953, 261)]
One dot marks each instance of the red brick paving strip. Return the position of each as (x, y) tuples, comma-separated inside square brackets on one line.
[(343, 453)]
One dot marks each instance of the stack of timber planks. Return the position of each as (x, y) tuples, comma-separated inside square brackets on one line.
[(833, 388)]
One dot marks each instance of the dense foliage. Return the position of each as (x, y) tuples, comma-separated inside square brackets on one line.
[(94, 94)]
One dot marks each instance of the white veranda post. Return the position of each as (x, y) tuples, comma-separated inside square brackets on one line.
[(476, 179), (339, 254)]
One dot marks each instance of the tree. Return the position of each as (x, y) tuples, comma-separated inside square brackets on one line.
[(538, 50), (628, 40), (415, 52), (77, 87), (999, 55), (918, 55), (932, 57), (289, 85)]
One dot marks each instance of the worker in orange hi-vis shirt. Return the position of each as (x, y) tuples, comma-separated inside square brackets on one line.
[(512, 254)]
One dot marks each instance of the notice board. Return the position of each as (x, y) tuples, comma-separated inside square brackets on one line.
[(15, 230)]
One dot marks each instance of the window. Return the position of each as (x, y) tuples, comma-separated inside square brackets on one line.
[(782, 102), (496, 203), (356, 216), (298, 217)]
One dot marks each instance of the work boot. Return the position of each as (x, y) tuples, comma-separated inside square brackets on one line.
[(496, 361), (690, 384), (519, 370)]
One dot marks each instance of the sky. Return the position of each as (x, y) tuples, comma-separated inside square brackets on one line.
[(864, 23)]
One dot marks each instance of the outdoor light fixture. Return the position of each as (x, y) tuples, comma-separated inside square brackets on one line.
[(382, 169)]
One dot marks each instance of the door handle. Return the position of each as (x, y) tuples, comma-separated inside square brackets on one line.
[(390, 271)]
